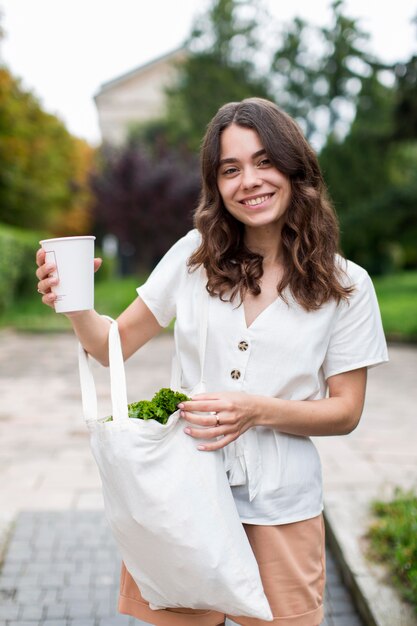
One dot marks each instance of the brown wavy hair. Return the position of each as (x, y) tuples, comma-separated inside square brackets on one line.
[(310, 234)]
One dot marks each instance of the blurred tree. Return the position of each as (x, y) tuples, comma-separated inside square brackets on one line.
[(317, 73), (372, 179), (42, 167), (294, 75), (357, 165), (145, 199), (220, 68), (76, 217), (405, 113)]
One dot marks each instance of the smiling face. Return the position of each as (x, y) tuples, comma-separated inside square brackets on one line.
[(252, 189)]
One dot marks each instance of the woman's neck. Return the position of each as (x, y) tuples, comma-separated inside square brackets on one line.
[(266, 242)]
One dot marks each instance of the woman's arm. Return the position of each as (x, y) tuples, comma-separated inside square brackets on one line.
[(137, 324), (338, 414)]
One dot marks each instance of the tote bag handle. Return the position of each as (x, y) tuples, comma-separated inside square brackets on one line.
[(204, 305), (117, 379), (117, 370)]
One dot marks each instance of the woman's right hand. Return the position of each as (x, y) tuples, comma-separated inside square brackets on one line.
[(47, 281)]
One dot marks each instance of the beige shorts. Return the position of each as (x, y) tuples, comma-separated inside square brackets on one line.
[(291, 560)]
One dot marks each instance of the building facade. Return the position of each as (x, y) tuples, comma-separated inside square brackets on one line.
[(135, 97)]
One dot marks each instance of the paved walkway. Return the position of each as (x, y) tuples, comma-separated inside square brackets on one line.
[(62, 569), (380, 455), (50, 484)]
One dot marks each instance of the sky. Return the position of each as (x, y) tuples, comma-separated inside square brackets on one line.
[(63, 50)]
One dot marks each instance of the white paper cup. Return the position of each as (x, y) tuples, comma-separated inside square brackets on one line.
[(74, 261)]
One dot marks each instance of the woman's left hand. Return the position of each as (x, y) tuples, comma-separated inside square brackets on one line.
[(230, 415)]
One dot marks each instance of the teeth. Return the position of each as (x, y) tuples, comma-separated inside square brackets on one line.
[(255, 201)]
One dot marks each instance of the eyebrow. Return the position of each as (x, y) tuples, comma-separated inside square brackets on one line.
[(255, 155)]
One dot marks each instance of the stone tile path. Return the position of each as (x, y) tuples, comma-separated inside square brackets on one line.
[(62, 569)]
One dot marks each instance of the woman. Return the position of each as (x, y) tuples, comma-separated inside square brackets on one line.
[(292, 328)]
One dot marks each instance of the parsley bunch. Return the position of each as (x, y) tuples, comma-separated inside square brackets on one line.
[(162, 405)]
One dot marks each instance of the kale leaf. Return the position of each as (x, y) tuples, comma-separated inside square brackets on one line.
[(162, 405)]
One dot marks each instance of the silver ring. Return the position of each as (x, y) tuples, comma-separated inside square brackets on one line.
[(217, 420)]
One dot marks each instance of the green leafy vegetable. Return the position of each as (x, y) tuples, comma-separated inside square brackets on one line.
[(162, 405)]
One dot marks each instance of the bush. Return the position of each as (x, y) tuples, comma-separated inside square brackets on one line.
[(44, 170), (144, 199), (393, 539), (17, 263), (397, 297)]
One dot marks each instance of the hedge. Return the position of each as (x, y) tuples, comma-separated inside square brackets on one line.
[(17, 263)]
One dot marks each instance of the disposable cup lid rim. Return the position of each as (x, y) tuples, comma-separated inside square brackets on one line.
[(67, 238)]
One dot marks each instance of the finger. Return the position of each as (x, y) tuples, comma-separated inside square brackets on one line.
[(49, 299), (201, 406), (45, 270), (40, 257), (97, 263), (207, 433), (199, 420), (217, 445), (45, 286)]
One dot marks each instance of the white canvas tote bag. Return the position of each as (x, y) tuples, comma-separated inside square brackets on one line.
[(170, 506)]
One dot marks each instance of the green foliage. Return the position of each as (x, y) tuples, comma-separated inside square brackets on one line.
[(220, 68), (115, 295), (357, 167), (393, 538), (17, 269), (397, 297), (372, 180), (317, 73), (406, 100), (347, 64), (163, 404), (27, 312), (42, 167)]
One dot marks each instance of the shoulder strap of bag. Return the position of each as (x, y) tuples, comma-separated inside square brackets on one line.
[(117, 370), (203, 329), (117, 374), (117, 378), (88, 388)]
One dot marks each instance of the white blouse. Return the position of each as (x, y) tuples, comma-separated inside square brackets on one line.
[(287, 353)]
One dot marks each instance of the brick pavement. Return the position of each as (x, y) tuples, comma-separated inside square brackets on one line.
[(62, 569)]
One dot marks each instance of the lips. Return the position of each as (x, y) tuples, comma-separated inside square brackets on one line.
[(256, 200)]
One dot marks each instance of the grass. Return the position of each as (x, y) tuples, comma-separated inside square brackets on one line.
[(397, 295), (393, 541), (29, 314)]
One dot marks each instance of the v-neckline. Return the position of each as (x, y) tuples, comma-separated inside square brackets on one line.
[(260, 314)]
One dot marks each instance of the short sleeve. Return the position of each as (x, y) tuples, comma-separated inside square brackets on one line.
[(161, 290), (357, 338)]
